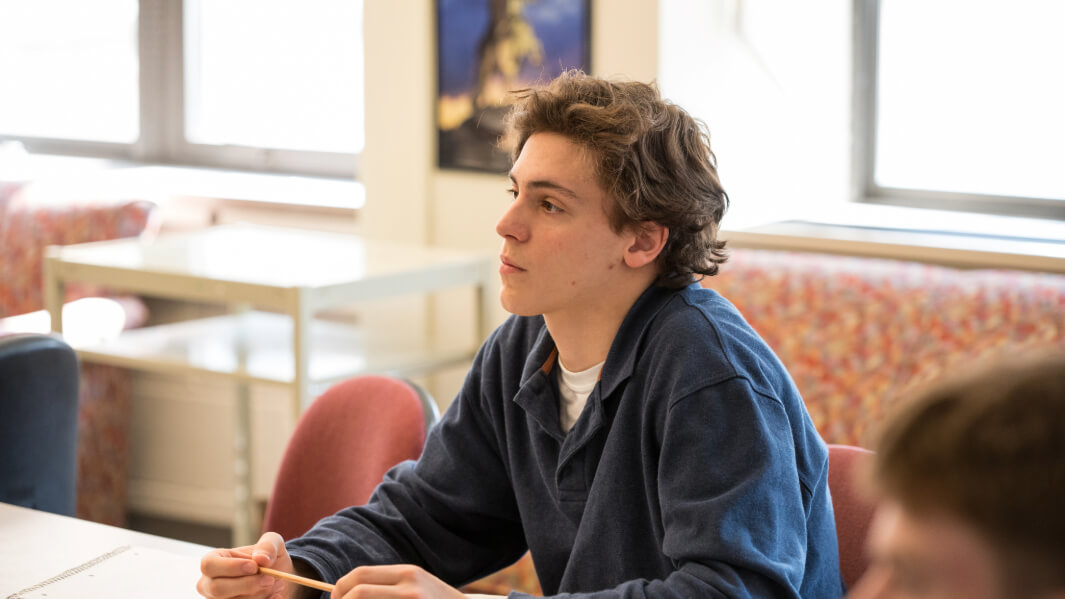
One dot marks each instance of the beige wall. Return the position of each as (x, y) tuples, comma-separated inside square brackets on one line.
[(407, 198)]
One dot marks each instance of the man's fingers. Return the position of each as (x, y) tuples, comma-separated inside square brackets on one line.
[(245, 586), (227, 563), (393, 574), (400, 580), (265, 552), (233, 573), (375, 591)]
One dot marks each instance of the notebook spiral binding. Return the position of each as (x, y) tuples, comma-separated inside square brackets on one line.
[(70, 572)]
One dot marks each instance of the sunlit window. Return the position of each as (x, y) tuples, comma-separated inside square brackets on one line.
[(970, 97), (68, 69), (274, 74), (260, 84)]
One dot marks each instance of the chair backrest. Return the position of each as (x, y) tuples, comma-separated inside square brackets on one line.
[(38, 422), (429, 407), (853, 508), (342, 446)]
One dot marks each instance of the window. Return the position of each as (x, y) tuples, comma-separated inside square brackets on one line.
[(268, 85), (959, 104), (68, 70)]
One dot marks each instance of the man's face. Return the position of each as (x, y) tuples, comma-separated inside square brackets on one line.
[(560, 258), (928, 557)]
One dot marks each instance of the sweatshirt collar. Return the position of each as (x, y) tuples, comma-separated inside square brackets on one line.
[(621, 359)]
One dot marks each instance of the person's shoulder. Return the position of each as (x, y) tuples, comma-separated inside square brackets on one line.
[(707, 301), (703, 333), (696, 314)]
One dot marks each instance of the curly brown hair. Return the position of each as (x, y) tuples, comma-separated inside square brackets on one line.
[(651, 156)]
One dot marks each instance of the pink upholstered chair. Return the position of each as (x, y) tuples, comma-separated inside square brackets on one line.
[(342, 446), (853, 509)]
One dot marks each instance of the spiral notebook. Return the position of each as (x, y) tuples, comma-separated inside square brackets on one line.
[(125, 572)]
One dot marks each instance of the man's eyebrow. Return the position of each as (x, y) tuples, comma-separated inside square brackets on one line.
[(551, 185)]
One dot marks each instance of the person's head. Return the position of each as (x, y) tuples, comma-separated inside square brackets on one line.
[(971, 476), (649, 156)]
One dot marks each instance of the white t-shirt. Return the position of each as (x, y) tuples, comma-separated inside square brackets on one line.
[(574, 389)]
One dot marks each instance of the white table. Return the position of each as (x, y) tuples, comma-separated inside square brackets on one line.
[(37, 546), (274, 280)]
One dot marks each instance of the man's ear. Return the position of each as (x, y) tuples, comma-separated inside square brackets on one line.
[(648, 240)]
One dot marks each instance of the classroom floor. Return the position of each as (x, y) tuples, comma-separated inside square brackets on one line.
[(214, 536)]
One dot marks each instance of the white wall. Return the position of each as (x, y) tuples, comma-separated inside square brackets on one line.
[(409, 199)]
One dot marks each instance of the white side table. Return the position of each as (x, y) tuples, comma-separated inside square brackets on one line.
[(288, 274)]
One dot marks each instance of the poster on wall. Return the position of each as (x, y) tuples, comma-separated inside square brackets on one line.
[(488, 48)]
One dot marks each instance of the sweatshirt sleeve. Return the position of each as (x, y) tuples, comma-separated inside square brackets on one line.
[(452, 512)]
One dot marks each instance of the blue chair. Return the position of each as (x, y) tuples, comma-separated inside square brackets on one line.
[(38, 422)]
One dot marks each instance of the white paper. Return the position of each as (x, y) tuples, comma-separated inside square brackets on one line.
[(125, 573)]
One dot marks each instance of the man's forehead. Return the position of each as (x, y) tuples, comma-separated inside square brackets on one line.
[(556, 148), (932, 545), (550, 160)]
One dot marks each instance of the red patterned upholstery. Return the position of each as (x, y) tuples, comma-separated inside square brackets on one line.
[(25, 232), (857, 333), (104, 396), (519, 576)]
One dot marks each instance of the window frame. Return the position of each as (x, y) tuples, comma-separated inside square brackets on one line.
[(160, 40), (866, 42)]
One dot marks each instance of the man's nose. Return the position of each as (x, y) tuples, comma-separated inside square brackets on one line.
[(510, 224)]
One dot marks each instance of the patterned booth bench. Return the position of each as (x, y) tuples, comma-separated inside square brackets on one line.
[(104, 395), (857, 334)]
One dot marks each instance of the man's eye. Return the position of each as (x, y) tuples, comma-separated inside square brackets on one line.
[(513, 192), (549, 207)]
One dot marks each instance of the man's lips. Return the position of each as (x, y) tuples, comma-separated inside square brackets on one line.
[(508, 267)]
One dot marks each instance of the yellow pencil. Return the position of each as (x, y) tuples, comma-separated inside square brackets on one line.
[(307, 582)]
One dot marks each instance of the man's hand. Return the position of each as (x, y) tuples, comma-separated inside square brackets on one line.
[(393, 582), (231, 573)]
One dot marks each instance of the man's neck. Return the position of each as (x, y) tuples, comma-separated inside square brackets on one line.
[(584, 336)]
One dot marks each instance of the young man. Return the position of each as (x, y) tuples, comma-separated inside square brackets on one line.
[(625, 425), (972, 477)]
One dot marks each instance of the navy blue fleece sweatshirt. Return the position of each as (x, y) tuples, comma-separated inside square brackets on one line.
[(693, 471)]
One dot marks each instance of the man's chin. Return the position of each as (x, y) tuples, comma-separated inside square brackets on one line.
[(515, 307)]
